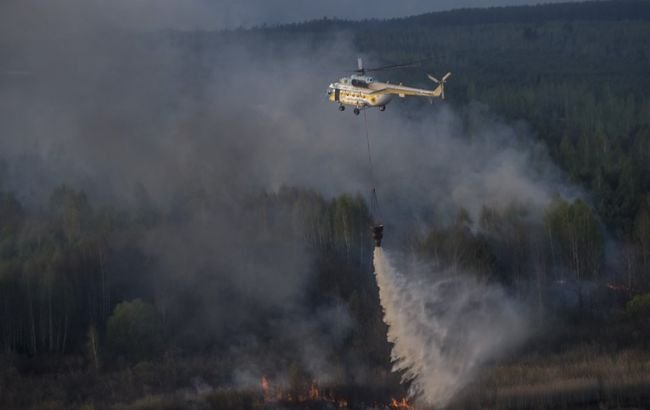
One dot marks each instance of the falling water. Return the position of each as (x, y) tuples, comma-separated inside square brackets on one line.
[(443, 326)]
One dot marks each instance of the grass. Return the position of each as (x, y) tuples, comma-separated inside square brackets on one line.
[(599, 366), (584, 377)]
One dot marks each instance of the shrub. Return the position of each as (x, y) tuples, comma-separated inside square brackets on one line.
[(639, 306), (134, 330)]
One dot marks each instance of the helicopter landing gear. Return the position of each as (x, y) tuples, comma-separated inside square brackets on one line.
[(341, 107), (382, 108), (357, 111)]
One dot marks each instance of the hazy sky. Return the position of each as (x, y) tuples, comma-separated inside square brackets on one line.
[(251, 12), (217, 14)]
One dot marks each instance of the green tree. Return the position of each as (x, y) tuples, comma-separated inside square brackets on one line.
[(73, 211), (642, 231), (578, 238), (92, 347), (134, 330), (457, 247), (351, 221)]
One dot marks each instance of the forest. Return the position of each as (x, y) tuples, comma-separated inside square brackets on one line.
[(113, 306)]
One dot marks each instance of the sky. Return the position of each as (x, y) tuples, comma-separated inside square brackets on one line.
[(225, 14)]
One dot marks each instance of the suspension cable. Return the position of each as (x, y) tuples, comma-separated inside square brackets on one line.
[(372, 176), (374, 201)]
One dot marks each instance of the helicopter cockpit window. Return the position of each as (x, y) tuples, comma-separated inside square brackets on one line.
[(359, 83)]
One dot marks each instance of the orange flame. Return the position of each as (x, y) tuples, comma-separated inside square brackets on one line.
[(314, 394), (273, 394), (401, 404), (267, 393)]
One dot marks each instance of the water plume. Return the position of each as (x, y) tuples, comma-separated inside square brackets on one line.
[(442, 327)]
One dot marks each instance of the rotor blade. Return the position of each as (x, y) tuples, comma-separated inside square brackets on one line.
[(360, 63), (394, 67), (446, 76)]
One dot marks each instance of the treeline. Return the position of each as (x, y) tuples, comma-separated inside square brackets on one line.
[(74, 277), (581, 84), (541, 13), (72, 274), (609, 10), (553, 265), (76, 281)]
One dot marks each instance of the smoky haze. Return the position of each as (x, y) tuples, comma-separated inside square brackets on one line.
[(109, 110), (127, 115), (224, 14)]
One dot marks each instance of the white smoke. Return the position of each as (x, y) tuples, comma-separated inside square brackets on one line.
[(443, 327)]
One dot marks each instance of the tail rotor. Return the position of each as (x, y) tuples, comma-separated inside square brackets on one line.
[(441, 83)]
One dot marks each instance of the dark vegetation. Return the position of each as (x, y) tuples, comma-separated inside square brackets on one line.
[(83, 324)]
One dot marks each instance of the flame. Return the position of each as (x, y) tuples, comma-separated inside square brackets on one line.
[(269, 394), (274, 395), (314, 394), (619, 288), (264, 384), (401, 404)]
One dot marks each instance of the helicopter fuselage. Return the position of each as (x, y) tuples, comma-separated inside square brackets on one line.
[(358, 91), (361, 91)]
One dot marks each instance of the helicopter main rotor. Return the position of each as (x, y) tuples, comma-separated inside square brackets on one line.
[(362, 70)]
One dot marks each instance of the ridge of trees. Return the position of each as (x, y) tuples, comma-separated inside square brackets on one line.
[(595, 10)]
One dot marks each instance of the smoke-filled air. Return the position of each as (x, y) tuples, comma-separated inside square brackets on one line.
[(277, 205)]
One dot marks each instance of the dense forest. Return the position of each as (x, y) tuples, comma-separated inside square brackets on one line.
[(93, 313)]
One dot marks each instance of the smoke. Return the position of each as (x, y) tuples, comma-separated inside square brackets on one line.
[(443, 327), (116, 111), (209, 121)]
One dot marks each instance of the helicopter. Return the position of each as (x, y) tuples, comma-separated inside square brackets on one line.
[(363, 91)]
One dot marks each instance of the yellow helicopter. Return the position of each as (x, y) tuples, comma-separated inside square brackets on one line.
[(362, 91)]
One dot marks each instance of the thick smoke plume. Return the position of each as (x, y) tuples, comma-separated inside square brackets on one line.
[(443, 327)]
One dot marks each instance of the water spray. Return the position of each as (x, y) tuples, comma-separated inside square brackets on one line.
[(443, 325)]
